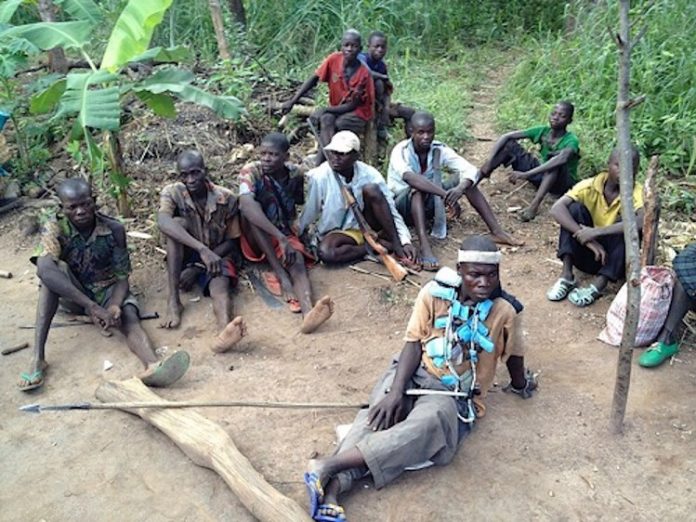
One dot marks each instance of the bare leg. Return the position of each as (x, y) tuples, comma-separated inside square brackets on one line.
[(328, 467), (503, 156), (261, 241), (219, 292), (136, 338), (379, 216), (480, 204), (338, 248), (300, 284), (681, 304), (546, 183), (327, 128), (419, 220), (600, 282), (45, 311), (567, 272), (175, 261)]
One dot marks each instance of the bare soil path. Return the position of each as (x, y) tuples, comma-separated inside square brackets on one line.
[(549, 458)]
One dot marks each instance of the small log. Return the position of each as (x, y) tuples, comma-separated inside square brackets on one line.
[(5, 274), (16, 348), (651, 219), (209, 446)]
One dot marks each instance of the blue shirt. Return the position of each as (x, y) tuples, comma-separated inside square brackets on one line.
[(377, 66)]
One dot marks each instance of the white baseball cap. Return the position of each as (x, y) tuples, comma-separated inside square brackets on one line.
[(344, 141)]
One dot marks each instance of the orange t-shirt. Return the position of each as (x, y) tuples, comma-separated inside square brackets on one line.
[(360, 85)]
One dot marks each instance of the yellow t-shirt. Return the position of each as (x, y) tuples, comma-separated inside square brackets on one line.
[(590, 192)]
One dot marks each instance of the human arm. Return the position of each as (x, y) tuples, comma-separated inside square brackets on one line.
[(170, 227), (423, 184), (395, 405), (559, 211), (312, 207), (558, 160), (486, 169), (304, 89), (585, 234), (466, 172), (253, 212)]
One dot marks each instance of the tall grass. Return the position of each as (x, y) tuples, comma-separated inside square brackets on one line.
[(582, 68)]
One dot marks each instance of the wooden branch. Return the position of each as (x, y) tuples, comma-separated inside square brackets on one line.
[(209, 446), (633, 102), (651, 219)]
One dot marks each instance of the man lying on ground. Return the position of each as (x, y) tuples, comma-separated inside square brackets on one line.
[(351, 91), (399, 430), (560, 153), (591, 236), (683, 300), (201, 223), (339, 237), (374, 59), (83, 264), (415, 177), (269, 192)]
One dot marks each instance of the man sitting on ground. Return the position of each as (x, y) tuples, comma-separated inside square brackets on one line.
[(200, 221), (560, 154), (270, 190), (83, 264), (683, 300), (374, 59), (339, 237), (591, 236), (415, 178), (416, 417), (351, 91)]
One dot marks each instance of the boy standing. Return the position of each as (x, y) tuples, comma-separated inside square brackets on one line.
[(351, 91), (415, 178), (560, 154), (201, 223), (83, 263), (591, 235), (269, 192)]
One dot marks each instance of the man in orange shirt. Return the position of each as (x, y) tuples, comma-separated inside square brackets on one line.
[(351, 91)]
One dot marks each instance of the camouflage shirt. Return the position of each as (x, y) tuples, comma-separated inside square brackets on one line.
[(97, 261), (216, 223)]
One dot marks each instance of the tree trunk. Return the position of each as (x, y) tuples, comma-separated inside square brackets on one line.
[(119, 179), (56, 57), (623, 127), (238, 12), (651, 206), (209, 446), (219, 25)]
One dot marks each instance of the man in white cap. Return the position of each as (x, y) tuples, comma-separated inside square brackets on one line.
[(425, 404), (337, 233)]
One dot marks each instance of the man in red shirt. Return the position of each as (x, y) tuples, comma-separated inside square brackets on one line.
[(351, 91)]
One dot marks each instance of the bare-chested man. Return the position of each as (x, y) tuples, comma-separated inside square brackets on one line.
[(200, 221)]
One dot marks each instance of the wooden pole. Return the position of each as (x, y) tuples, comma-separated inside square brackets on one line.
[(219, 26), (651, 206), (623, 127), (209, 446)]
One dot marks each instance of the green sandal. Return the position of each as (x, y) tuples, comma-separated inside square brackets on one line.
[(657, 354)]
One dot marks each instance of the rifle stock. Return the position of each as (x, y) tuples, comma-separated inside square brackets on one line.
[(397, 271)]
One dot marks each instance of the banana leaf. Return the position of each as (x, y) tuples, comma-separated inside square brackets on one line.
[(98, 108), (81, 9), (7, 10), (47, 35)]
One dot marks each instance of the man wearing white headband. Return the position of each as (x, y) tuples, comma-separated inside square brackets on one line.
[(426, 403)]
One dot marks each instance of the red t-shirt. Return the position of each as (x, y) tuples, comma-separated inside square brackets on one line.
[(360, 85)]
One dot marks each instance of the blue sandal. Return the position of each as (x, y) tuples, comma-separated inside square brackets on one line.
[(330, 513), (315, 492), (584, 296)]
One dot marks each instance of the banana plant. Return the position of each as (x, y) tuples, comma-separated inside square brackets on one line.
[(94, 97)]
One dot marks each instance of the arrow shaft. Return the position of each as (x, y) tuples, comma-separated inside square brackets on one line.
[(199, 404)]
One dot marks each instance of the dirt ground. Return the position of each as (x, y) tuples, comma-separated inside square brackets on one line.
[(549, 458)]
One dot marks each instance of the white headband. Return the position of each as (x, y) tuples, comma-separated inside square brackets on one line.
[(476, 256)]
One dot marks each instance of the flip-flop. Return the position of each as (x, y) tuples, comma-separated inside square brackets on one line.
[(294, 305), (272, 283), (410, 263), (584, 296), (430, 263), (29, 377), (330, 513), (168, 371), (315, 492), (560, 289)]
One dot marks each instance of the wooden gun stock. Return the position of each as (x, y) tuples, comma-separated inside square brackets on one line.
[(397, 271)]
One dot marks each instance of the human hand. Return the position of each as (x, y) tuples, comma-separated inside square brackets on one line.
[(585, 234), (516, 176), (212, 262), (453, 196), (600, 254), (454, 211), (410, 252), (392, 409), (289, 254), (114, 314), (100, 317), (286, 107)]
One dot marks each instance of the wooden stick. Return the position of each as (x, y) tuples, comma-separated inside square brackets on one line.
[(209, 446), (368, 272), (16, 348), (515, 190), (651, 218)]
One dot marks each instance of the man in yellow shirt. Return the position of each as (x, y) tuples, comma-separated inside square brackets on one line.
[(591, 237)]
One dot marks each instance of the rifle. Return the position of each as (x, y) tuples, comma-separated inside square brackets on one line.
[(397, 271)]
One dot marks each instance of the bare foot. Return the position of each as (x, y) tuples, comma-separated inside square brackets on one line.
[(174, 311), (188, 277), (230, 335), (317, 315), (504, 238)]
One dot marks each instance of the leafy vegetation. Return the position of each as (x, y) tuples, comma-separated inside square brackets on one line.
[(582, 67)]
